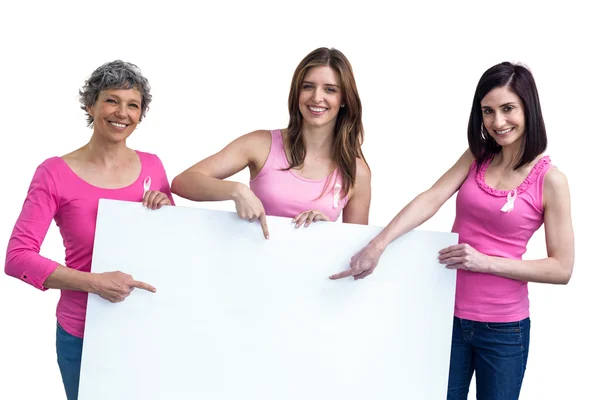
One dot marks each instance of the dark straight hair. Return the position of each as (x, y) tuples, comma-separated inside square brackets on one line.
[(519, 80)]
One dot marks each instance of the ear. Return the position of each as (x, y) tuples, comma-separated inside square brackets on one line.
[(90, 110)]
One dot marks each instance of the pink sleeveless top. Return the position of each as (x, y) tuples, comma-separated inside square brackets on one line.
[(481, 223), (285, 194)]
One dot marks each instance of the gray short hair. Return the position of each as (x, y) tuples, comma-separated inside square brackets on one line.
[(114, 75)]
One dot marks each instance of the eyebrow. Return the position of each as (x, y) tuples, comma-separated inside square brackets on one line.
[(120, 98), (502, 105), (327, 84)]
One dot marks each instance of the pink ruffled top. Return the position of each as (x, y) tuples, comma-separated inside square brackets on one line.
[(497, 223)]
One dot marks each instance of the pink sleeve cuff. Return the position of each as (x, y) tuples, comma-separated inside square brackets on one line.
[(31, 268), (23, 260)]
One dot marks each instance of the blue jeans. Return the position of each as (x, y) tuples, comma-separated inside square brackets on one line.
[(68, 352), (496, 351)]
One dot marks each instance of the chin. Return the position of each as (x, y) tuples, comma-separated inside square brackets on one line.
[(508, 141)]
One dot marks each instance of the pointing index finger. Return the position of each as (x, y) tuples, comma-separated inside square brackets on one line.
[(143, 285), (341, 275), (263, 225)]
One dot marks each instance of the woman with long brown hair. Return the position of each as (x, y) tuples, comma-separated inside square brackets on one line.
[(310, 171)]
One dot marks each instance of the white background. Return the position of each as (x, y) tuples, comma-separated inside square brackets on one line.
[(219, 71)]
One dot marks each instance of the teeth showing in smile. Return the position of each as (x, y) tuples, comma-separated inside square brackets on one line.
[(317, 109), (118, 125), (504, 132)]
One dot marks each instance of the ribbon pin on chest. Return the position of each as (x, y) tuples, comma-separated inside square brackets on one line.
[(147, 183), (337, 189), (510, 201)]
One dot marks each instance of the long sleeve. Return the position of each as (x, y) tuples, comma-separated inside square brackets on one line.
[(23, 260)]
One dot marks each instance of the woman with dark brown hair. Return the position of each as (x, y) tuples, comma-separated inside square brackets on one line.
[(310, 171), (506, 189)]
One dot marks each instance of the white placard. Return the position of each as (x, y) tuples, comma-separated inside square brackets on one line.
[(237, 317)]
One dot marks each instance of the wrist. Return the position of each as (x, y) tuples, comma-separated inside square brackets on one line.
[(379, 243), (491, 265), (91, 282), (237, 191)]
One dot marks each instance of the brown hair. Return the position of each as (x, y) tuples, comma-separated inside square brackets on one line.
[(348, 134)]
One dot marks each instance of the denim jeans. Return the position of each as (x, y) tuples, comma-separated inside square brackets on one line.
[(495, 351), (68, 352)]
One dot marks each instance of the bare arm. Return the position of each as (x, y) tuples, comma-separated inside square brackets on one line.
[(204, 181), (113, 286), (69, 279), (426, 204), (419, 210), (558, 266), (357, 209)]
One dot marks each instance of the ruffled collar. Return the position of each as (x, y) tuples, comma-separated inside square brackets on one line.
[(523, 187)]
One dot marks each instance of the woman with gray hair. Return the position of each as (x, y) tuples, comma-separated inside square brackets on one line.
[(115, 99)]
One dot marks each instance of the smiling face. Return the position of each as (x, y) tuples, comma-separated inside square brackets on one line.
[(116, 113), (503, 116), (320, 97)]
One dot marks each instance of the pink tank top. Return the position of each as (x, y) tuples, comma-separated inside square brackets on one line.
[(285, 194), (482, 223)]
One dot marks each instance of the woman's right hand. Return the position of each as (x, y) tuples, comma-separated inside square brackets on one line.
[(362, 263), (250, 208), (116, 286)]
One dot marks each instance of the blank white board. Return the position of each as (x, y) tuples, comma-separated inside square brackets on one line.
[(237, 317)]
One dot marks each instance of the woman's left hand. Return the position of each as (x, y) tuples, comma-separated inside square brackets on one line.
[(308, 217), (153, 199), (463, 256)]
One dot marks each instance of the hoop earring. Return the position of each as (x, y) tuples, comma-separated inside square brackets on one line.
[(484, 133)]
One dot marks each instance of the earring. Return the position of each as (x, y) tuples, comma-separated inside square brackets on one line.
[(343, 105), (484, 133)]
